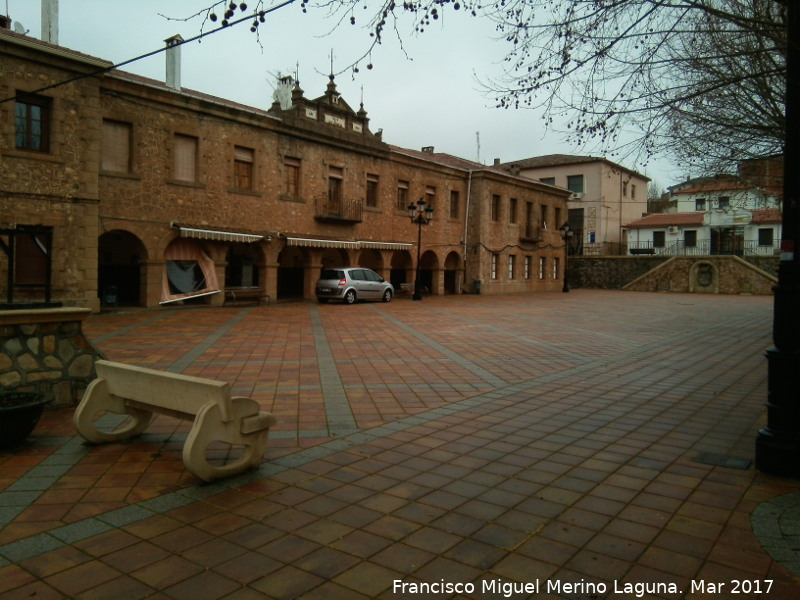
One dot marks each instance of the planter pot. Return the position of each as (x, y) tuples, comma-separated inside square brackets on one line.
[(19, 414)]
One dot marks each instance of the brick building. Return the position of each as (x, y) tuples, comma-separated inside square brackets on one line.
[(132, 191)]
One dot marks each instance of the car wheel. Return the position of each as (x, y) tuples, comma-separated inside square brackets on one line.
[(387, 295), (322, 300), (350, 297)]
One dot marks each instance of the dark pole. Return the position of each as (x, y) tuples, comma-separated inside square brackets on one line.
[(778, 444), (566, 235), (417, 290)]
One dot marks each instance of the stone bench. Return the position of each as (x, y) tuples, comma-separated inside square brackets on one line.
[(139, 392)]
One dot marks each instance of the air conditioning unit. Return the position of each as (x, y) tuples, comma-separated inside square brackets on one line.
[(673, 229), (577, 195)]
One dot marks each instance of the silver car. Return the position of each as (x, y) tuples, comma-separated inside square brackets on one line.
[(351, 284)]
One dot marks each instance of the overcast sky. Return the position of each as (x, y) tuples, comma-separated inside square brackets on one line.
[(424, 93)]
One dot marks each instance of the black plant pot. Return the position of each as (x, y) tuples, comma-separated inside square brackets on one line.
[(19, 414)]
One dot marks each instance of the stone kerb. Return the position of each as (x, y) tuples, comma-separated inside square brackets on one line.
[(45, 350)]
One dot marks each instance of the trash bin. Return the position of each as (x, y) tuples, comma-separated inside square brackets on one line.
[(110, 295)]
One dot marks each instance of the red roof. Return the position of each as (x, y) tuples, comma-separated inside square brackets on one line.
[(668, 220), (723, 185), (767, 215)]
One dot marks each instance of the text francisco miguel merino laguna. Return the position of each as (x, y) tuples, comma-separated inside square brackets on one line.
[(555, 586)]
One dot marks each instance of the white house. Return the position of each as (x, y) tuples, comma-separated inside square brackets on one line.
[(718, 231), (605, 196), (724, 214)]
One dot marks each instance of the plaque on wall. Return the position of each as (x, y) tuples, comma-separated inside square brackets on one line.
[(311, 113), (333, 120)]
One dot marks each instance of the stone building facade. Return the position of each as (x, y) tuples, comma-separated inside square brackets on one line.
[(116, 189)]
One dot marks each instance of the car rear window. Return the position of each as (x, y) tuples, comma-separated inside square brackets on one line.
[(331, 274)]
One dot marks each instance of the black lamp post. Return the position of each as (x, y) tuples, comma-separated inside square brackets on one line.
[(421, 215), (778, 444), (566, 235)]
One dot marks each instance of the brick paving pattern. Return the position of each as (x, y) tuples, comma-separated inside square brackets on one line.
[(588, 439)]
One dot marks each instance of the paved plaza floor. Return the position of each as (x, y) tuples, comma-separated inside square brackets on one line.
[(590, 445)]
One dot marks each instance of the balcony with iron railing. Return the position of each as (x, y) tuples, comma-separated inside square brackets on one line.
[(338, 210), (530, 232), (706, 248)]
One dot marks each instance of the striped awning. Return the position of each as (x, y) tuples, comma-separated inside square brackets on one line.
[(385, 245), (219, 236), (348, 244)]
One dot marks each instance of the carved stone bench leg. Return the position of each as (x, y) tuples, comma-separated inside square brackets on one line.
[(248, 427), (97, 399)]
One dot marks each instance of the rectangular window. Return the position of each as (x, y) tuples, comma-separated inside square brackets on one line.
[(184, 167), (402, 196), (530, 227), (32, 122), (243, 161), (659, 239), (690, 238), (527, 267), (430, 196), (291, 183), (512, 265), (544, 215), (575, 184), (556, 263), (548, 180), (455, 200), (700, 204), (31, 255), (372, 190), (494, 266), (512, 210), (724, 202), (765, 237), (495, 207), (557, 219), (633, 191), (542, 267), (335, 184), (624, 189), (116, 157)]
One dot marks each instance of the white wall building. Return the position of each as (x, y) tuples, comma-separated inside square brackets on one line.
[(605, 196), (725, 214)]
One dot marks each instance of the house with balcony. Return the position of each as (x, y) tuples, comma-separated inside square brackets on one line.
[(733, 231), (604, 196), (721, 215)]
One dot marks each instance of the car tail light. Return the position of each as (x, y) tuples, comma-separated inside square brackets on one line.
[(342, 282)]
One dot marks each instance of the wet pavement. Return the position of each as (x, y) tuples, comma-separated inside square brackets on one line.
[(596, 444)]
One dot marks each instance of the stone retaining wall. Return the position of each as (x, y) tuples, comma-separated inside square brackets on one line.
[(45, 350), (617, 272)]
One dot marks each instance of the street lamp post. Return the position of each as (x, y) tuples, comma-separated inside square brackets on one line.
[(421, 215), (566, 235), (778, 444)]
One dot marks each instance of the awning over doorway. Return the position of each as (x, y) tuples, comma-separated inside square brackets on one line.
[(348, 244), (188, 272), (218, 236)]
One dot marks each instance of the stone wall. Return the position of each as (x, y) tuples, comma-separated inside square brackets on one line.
[(728, 274), (46, 351), (609, 272)]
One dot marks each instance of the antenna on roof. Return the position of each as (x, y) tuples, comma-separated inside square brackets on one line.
[(20, 28), (478, 141)]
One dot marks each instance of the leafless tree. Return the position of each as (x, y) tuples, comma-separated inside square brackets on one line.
[(700, 80)]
